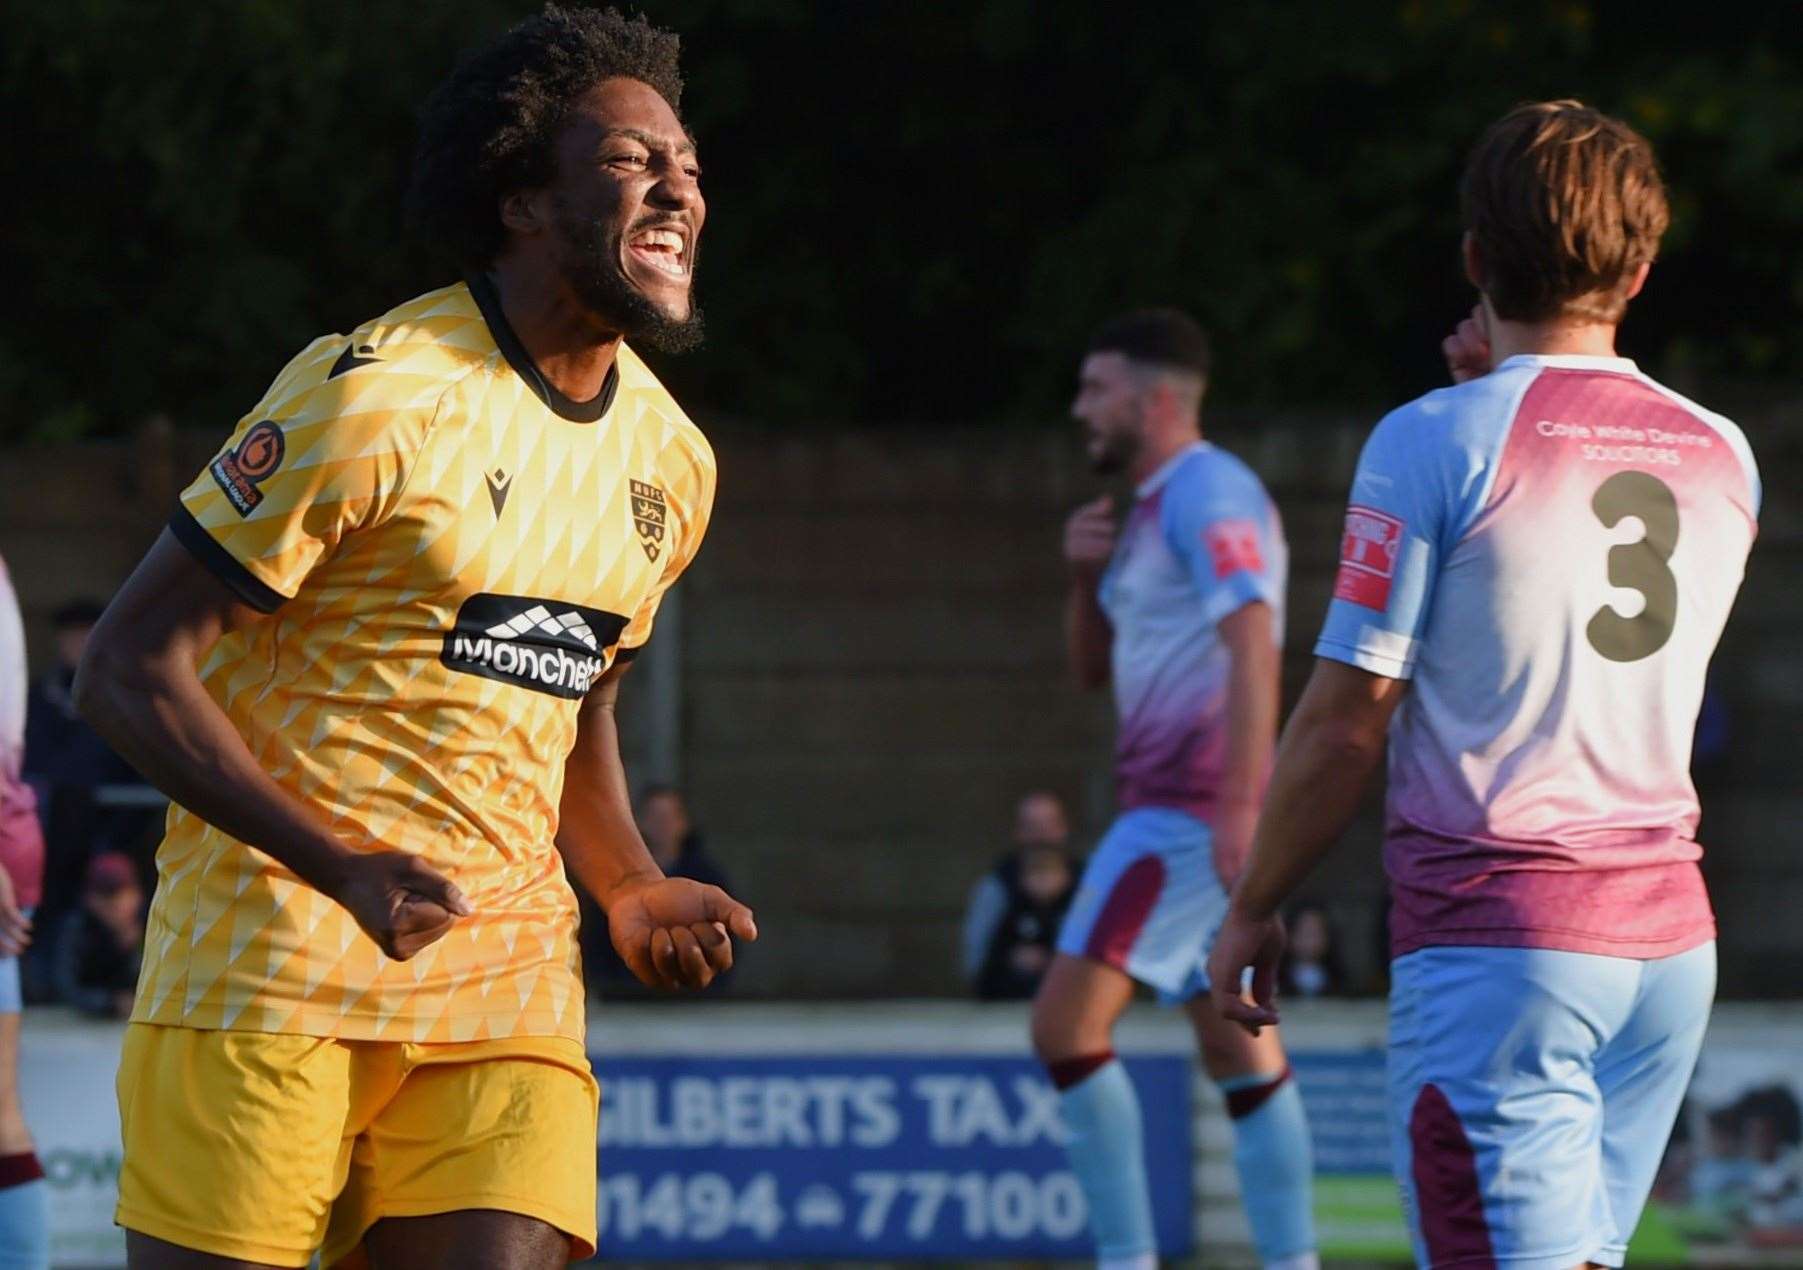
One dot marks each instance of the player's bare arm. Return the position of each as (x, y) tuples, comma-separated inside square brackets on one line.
[(138, 686), (673, 933), (1089, 538), (1253, 675), (1329, 749)]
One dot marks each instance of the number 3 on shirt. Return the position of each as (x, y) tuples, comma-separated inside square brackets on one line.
[(1641, 566)]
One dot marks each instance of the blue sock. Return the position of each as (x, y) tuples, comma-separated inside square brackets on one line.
[(1275, 1159), (1101, 1110), (24, 1214)]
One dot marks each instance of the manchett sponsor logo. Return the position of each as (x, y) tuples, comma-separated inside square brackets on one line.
[(553, 667), (545, 645)]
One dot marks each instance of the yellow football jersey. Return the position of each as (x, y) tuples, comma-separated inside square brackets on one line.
[(453, 553)]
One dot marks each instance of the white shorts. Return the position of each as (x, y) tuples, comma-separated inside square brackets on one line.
[(1531, 1095), (1150, 903)]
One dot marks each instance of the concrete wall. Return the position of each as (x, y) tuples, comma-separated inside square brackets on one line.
[(871, 672)]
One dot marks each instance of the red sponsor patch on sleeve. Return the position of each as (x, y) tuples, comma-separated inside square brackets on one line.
[(1233, 546), (241, 469), (1368, 550)]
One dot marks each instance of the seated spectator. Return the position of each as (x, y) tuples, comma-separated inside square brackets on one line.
[(67, 761), (1311, 957), (676, 845), (1774, 1130), (1722, 1178), (1011, 922), (100, 943), (60, 746)]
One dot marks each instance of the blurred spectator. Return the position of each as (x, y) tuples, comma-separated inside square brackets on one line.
[(1311, 965), (1376, 981), (60, 747), (674, 841), (1723, 1172), (1011, 922), (100, 943), (676, 844), (1712, 751), (1709, 745), (67, 761), (1774, 1128)]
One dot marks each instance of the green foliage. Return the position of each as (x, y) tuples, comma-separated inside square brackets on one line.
[(917, 212)]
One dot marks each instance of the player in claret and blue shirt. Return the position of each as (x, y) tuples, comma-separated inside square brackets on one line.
[(1535, 569), (1180, 604)]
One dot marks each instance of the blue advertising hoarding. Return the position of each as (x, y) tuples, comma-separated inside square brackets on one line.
[(870, 1156), (1357, 1212), (1347, 1100)]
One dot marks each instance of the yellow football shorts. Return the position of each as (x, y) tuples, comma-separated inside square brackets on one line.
[(265, 1146)]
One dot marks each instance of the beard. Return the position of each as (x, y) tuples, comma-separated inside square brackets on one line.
[(1108, 462), (592, 268), (1114, 454), (1115, 444)]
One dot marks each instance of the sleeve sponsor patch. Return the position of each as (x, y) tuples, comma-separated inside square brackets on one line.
[(1233, 546), (1368, 550), (241, 469)]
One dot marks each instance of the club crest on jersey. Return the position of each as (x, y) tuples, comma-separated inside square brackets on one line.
[(1368, 552), (549, 646), (649, 513), (245, 466)]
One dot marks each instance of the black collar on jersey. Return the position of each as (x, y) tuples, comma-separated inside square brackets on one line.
[(488, 299)]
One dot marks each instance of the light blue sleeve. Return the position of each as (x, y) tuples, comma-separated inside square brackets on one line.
[(1217, 520), (1391, 546)]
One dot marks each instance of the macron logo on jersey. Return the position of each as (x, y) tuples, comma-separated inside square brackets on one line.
[(546, 645), (1368, 551)]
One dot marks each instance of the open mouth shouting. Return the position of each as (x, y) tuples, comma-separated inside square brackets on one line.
[(661, 252)]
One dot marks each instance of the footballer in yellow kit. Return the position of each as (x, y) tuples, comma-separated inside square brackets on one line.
[(373, 662)]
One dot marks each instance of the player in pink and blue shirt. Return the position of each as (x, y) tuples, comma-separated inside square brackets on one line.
[(1536, 566), (1181, 606), (24, 1194)]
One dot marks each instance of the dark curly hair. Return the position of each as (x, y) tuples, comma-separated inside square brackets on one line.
[(490, 128)]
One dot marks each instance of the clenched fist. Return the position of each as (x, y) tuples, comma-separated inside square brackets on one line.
[(399, 900), (674, 933), (1467, 349)]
